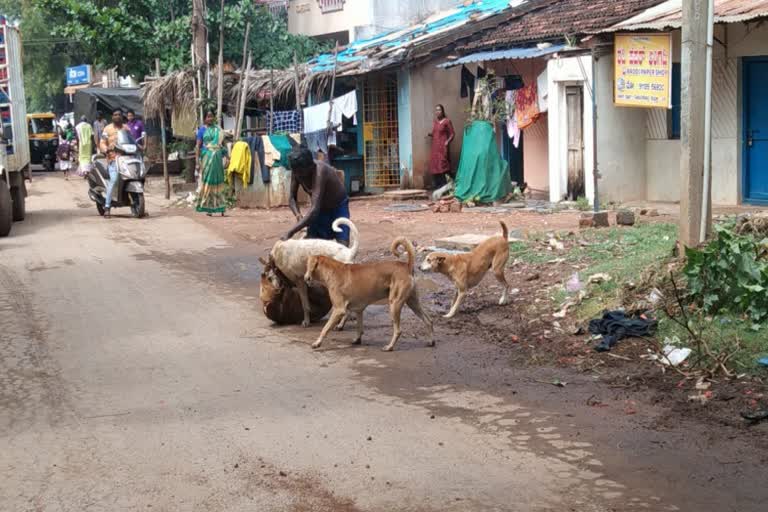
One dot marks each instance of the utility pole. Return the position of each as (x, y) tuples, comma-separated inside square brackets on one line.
[(692, 122), (162, 138), (220, 83)]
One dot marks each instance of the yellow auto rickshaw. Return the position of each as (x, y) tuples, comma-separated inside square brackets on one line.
[(43, 139)]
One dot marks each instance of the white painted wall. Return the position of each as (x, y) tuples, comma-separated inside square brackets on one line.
[(560, 74)]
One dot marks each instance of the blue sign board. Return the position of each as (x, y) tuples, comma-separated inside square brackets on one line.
[(79, 75)]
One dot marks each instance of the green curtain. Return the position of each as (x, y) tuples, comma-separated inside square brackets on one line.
[(483, 176)]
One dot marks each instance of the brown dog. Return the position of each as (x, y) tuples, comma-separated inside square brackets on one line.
[(354, 287), (467, 270), (281, 301)]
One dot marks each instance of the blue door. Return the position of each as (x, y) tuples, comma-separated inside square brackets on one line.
[(755, 141)]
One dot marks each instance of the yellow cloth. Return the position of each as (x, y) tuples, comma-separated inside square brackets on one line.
[(240, 162)]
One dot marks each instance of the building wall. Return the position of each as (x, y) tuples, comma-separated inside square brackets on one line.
[(621, 147), (305, 17), (663, 155), (430, 86)]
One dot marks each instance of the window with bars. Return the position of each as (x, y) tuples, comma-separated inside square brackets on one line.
[(327, 6), (380, 132)]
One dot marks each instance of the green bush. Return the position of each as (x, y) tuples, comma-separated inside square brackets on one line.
[(730, 275)]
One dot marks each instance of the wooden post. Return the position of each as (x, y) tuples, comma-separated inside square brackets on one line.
[(243, 72), (243, 94), (271, 100), (296, 81), (199, 34), (162, 138), (333, 86), (220, 84)]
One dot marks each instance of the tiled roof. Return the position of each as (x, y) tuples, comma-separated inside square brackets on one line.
[(558, 18)]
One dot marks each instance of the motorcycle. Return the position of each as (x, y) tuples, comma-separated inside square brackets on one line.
[(131, 175)]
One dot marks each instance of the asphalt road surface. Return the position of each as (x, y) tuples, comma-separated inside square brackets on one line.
[(138, 373)]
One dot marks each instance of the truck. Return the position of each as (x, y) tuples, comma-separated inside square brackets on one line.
[(14, 140)]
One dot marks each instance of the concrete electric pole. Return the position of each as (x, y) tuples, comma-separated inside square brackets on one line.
[(695, 120)]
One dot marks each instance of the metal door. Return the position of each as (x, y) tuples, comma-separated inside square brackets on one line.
[(755, 185), (380, 132), (574, 104)]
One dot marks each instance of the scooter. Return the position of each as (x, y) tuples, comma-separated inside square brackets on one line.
[(131, 175)]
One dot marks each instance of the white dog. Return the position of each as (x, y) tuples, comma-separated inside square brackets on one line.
[(291, 258)]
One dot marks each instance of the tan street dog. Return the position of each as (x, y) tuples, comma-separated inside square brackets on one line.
[(355, 287), (467, 270), (291, 258)]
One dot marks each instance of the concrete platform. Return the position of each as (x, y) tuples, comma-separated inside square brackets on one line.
[(405, 195)]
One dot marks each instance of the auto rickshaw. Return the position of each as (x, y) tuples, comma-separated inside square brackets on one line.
[(43, 139)]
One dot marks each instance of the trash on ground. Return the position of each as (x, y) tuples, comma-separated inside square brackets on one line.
[(763, 361), (599, 278), (755, 416), (701, 398), (568, 304), (615, 326), (672, 355), (556, 244), (573, 284)]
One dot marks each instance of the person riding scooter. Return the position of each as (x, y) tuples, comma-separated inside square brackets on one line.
[(117, 179)]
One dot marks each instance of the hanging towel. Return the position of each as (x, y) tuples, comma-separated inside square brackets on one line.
[(543, 92), (271, 153), (467, 83), (513, 131), (257, 154), (240, 163), (288, 121), (283, 145), (316, 117), (526, 106), (319, 141), (346, 106)]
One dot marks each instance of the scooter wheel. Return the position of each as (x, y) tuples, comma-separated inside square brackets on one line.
[(100, 209), (137, 205)]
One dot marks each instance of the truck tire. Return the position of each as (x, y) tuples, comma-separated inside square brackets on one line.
[(6, 210), (19, 198)]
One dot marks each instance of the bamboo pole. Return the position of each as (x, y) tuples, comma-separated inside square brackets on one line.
[(220, 84), (243, 95), (271, 100), (296, 81), (162, 139), (333, 85), (243, 72)]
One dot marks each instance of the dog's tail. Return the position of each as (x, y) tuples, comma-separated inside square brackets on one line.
[(505, 231), (354, 234), (407, 247)]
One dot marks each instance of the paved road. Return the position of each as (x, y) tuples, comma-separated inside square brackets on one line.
[(135, 374)]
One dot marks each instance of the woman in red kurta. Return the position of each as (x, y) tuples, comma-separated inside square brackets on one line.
[(440, 159)]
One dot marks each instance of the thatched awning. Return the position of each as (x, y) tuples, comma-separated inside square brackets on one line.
[(176, 91)]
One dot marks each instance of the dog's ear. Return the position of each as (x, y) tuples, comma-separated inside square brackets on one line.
[(439, 260)]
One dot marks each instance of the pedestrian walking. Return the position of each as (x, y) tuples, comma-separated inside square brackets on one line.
[(210, 153), (85, 146), (440, 159), (98, 128), (64, 151)]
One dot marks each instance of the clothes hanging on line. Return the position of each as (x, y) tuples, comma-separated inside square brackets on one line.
[(316, 116), (288, 121), (283, 144), (240, 163), (257, 153), (526, 106), (513, 131), (543, 92), (271, 153), (320, 140)]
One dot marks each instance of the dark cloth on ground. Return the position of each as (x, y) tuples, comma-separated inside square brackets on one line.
[(615, 326), (322, 226)]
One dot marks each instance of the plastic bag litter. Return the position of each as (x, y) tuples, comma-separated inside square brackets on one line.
[(671, 354)]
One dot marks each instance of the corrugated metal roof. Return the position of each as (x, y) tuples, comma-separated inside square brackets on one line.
[(391, 47), (511, 53), (669, 15)]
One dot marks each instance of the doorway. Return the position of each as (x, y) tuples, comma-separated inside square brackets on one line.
[(380, 132), (575, 111), (755, 138)]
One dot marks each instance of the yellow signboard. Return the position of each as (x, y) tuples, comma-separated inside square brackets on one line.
[(643, 67)]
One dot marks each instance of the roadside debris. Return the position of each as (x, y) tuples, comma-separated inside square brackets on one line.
[(671, 353), (573, 284), (594, 220), (755, 416), (763, 361), (625, 218), (615, 326), (568, 304), (599, 278)]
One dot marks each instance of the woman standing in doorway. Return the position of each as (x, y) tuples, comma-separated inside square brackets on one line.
[(210, 152), (440, 159)]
